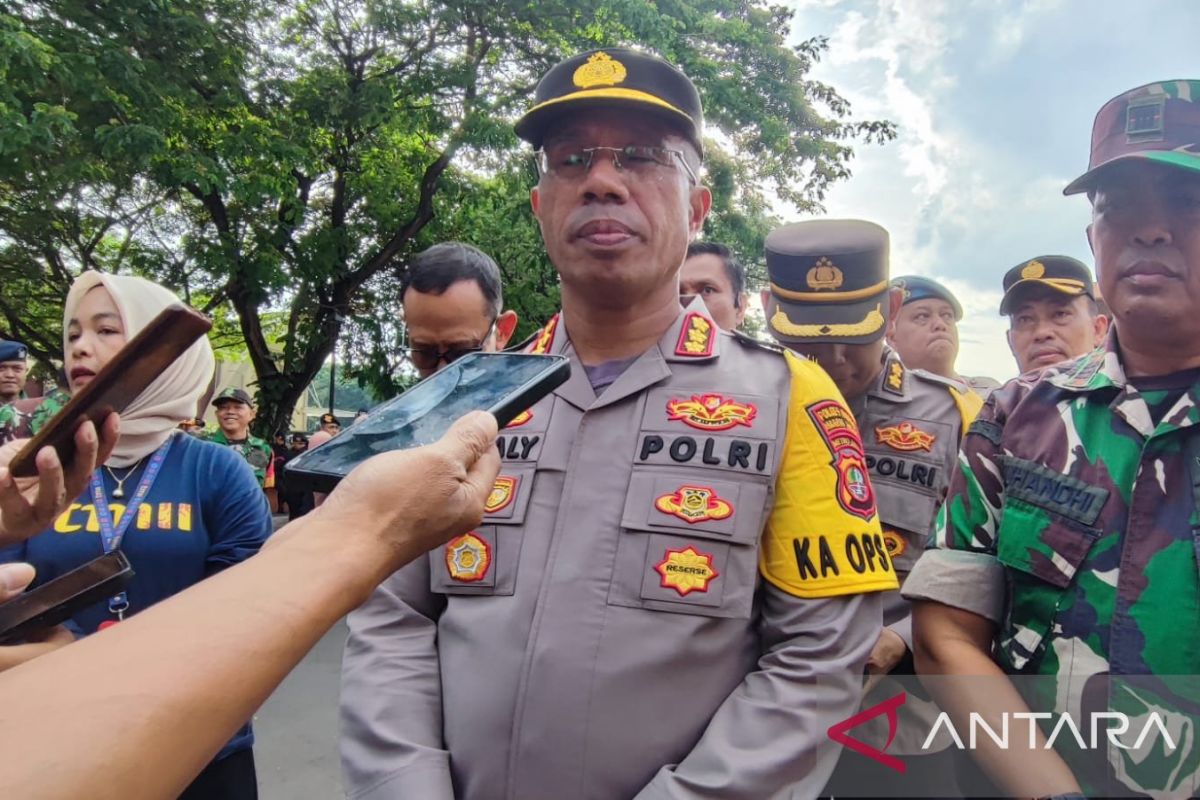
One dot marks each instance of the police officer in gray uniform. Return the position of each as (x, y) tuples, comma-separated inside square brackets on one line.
[(830, 300), (663, 601)]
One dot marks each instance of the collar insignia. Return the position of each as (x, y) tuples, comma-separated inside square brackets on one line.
[(468, 558), (696, 337), (503, 492), (545, 338), (825, 276), (893, 378), (906, 437), (711, 412), (687, 570), (600, 70), (694, 504)]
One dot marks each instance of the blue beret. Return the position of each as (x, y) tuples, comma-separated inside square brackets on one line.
[(916, 288), (12, 351)]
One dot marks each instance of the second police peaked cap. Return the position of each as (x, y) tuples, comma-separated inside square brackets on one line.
[(918, 287), (829, 282), (1058, 273), (613, 77), (1158, 122)]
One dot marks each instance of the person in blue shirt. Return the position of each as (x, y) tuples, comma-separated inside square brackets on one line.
[(180, 509)]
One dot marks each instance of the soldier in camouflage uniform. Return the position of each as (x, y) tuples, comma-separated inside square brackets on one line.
[(1067, 548), (235, 412)]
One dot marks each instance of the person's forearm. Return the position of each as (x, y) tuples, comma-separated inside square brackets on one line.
[(14, 655), (181, 677), (964, 680)]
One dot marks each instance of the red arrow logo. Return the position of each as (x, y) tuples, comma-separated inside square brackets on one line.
[(838, 732)]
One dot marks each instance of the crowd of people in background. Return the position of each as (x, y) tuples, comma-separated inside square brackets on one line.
[(704, 552)]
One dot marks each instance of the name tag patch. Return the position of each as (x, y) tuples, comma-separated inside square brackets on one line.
[(1045, 488), (711, 451)]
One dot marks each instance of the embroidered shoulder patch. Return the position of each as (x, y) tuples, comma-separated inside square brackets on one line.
[(711, 412), (840, 434)]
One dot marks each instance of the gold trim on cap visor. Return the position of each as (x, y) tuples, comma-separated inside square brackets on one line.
[(869, 324), (610, 93), (828, 297)]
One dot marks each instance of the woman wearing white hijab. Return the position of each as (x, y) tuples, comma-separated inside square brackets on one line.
[(179, 508)]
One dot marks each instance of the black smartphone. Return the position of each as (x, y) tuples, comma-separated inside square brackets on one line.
[(131, 370), (504, 384), (58, 600)]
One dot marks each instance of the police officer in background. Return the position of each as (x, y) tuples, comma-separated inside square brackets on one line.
[(14, 366), (669, 596), (235, 412), (712, 273), (925, 331), (1052, 310), (830, 300)]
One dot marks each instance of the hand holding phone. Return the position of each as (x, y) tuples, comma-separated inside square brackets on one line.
[(29, 505)]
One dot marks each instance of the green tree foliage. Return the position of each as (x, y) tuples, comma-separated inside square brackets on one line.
[(282, 158)]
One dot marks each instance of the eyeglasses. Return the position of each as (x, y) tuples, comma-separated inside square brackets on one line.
[(428, 358), (640, 163)]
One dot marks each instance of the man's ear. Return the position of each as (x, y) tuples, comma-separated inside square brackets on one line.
[(1011, 349), (740, 311), (1099, 330), (701, 202), (534, 200), (506, 325), (895, 301)]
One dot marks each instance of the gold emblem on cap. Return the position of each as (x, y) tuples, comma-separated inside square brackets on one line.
[(825, 276), (1033, 270), (600, 70)]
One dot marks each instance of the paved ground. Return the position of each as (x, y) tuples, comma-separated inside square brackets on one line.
[(295, 731)]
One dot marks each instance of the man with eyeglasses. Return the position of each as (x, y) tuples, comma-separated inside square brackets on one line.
[(673, 591), (452, 304)]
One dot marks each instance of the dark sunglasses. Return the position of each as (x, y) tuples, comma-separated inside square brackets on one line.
[(429, 357)]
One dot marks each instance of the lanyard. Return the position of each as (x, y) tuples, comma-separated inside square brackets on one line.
[(110, 534)]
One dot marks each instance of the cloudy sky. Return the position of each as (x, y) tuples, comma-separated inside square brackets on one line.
[(994, 101)]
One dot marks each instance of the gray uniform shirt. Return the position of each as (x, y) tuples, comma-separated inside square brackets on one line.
[(606, 633)]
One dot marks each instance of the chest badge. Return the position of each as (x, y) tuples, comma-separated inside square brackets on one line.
[(696, 337), (520, 419), (687, 570), (895, 544), (840, 434), (694, 504), (711, 412), (503, 492), (468, 558), (906, 437)]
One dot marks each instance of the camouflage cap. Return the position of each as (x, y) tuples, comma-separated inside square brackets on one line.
[(1058, 273), (1157, 122), (235, 394), (613, 77), (917, 287), (12, 351), (829, 282)]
